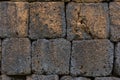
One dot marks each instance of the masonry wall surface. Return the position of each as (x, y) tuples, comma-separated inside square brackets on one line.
[(60, 40)]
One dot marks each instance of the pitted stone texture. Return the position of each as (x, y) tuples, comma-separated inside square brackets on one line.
[(117, 60), (47, 20), (87, 1), (13, 19), (4, 77), (73, 78), (92, 58), (16, 56), (114, 19), (43, 77), (51, 57), (107, 78), (87, 21)]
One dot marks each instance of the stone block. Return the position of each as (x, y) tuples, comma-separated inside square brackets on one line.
[(114, 20), (92, 58), (13, 19), (51, 56), (16, 56), (87, 21), (47, 20), (117, 60)]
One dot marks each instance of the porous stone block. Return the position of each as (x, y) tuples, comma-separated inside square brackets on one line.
[(91, 1), (13, 19), (114, 20), (87, 21), (107, 78), (47, 20), (51, 56), (92, 58), (16, 56), (117, 60), (73, 78), (43, 77)]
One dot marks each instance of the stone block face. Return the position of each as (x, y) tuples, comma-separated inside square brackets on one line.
[(73, 78), (89, 1), (51, 56), (16, 56), (87, 54), (13, 19), (117, 59), (107, 78), (114, 20), (47, 20), (87, 21), (43, 77)]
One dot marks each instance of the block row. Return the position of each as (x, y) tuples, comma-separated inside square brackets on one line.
[(49, 20), (59, 56), (54, 77)]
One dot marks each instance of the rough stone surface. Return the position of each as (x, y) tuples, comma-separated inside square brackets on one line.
[(107, 78), (51, 57), (87, 21), (117, 59), (87, 54), (43, 77), (114, 19), (73, 78), (16, 56), (47, 20), (13, 19), (4, 77), (85, 1)]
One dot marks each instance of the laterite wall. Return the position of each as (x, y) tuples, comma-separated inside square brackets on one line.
[(60, 40)]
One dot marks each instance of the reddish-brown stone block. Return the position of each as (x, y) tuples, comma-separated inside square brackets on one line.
[(87, 21)]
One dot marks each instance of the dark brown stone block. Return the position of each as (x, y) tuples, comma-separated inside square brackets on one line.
[(92, 58), (47, 20), (13, 19), (16, 56)]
